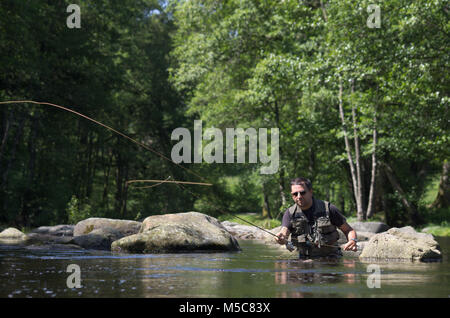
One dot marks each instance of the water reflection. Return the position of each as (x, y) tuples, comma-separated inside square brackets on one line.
[(302, 275)]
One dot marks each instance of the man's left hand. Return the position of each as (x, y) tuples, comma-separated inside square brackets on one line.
[(351, 246)]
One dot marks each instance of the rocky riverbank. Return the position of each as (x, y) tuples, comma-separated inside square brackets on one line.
[(193, 232)]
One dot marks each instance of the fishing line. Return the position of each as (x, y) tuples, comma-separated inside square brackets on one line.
[(172, 181), (152, 186)]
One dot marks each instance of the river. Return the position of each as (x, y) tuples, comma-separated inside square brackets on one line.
[(257, 271)]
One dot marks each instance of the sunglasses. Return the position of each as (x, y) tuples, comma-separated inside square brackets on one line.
[(295, 194)]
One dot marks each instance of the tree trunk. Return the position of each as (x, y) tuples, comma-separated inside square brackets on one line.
[(106, 172), (359, 187), (443, 197), (266, 207), (281, 187), (123, 208), (371, 203), (359, 212), (324, 11), (312, 164), (118, 197), (282, 172), (5, 134), (410, 208), (13, 152), (384, 200), (342, 200)]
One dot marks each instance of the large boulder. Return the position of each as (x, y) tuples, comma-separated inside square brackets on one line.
[(402, 243), (373, 227), (13, 233), (125, 227), (57, 230), (181, 232)]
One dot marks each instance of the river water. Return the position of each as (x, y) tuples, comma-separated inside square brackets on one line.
[(258, 271)]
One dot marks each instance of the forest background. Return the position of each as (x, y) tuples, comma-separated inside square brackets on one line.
[(358, 90)]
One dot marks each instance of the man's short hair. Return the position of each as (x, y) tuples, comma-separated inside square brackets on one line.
[(302, 181)]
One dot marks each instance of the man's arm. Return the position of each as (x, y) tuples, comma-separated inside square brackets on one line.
[(284, 233), (350, 233)]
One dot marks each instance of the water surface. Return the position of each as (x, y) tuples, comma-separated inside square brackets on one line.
[(257, 271)]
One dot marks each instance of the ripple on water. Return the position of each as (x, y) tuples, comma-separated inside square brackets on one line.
[(158, 275)]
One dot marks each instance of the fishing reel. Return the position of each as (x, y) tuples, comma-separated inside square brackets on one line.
[(289, 246)]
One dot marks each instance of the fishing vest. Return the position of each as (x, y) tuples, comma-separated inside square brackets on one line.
[(322, 231)]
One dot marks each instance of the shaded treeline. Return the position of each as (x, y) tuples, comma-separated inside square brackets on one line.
[(362, 111)]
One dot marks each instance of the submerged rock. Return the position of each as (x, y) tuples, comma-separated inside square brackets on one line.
[(402, 243), (180, 232)]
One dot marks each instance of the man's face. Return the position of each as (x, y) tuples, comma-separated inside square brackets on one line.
[(302, 196)]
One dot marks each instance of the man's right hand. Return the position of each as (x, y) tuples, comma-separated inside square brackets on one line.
[(281, 238)]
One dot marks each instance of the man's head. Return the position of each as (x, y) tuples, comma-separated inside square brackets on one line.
[(301, 191)]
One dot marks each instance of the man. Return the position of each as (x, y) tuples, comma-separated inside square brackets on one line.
[(312, 224)]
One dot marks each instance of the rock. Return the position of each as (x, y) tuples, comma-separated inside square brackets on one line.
[(98, 239), (373, 227), (364, 236), (426, 229), (57, 230), (125, 227), (12, 233), (245, 232), (37, 238), (402, 243), (181, 232), (361, 235)]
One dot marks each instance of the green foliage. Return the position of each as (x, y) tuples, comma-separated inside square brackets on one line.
[(78, 211), (443, 229)]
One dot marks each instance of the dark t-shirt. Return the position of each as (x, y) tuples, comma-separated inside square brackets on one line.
[(336, 217)]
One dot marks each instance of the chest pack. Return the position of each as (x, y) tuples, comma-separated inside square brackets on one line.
[(317, 231)]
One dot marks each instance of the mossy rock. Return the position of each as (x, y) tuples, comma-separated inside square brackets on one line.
[(175, 233)]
